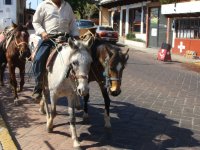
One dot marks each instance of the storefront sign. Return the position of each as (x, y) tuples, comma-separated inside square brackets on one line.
[(181, 8), (182, 45), (154, 32)]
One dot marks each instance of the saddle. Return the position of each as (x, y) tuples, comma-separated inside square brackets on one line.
[(6, 36), (52, 56)]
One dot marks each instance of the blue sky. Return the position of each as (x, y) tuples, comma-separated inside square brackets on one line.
[(33, 3)]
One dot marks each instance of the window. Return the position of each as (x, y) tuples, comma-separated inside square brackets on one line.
[(8, 2), (135, 17), (188, 28)]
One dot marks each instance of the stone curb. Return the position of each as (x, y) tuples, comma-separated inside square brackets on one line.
[(6, 142)]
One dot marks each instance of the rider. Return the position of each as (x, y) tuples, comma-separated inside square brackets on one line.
[(51, 17)]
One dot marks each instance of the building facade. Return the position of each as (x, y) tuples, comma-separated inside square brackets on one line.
[(176, 23), (142, 18), (11, 11), (125, 16), (184, 18)]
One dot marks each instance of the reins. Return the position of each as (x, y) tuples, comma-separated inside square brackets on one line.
[(106, 73), (20, 43)]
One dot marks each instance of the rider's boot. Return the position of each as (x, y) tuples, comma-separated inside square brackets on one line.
[(37, 92)]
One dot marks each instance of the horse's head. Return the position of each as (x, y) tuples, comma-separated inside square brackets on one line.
[(114, 61), (21, 38), (80, 62)]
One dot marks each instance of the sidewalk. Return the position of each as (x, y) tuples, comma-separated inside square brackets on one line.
[(6, 142), (154, 52)]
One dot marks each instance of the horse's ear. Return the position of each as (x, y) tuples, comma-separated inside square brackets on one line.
[(72, 43), (126, 52), (109, 49), (14, 25), (126, 57), (88, 43), (28, 25)]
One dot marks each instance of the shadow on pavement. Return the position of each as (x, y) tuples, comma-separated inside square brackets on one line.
[(133, 127), (136, 128)]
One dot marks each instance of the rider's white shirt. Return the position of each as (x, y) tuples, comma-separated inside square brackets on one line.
[(51, 19)]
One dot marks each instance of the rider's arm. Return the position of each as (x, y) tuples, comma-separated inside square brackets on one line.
[(38, 20)]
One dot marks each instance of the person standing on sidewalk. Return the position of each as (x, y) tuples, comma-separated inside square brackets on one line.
[(51, 17)]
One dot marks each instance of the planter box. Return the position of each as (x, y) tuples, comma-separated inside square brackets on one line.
[(135, 43)]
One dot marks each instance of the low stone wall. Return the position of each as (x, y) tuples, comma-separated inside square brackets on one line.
[(135, 43)]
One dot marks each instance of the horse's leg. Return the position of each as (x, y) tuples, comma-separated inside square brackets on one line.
[(2, 70), (72, 119), (85, 114), (42, 106), (48, 111), (107, 106), (53, 105), (13, 82), (22, 74)]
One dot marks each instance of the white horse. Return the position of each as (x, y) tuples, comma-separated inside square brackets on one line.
[(68, 77)]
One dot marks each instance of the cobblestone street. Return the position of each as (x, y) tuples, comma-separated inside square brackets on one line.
[(158, 109)]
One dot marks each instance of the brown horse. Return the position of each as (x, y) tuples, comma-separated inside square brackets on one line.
[(5, 37), (16, 53), (106, 69)]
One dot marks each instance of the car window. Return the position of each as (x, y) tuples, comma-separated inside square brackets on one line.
[(106, 28), (86, 24)]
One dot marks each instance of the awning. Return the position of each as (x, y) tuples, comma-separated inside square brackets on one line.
[(181, 8), (115, 3)]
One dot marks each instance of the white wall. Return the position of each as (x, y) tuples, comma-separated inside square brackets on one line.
[(7, 13)]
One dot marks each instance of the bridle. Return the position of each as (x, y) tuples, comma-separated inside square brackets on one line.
[(73, 76), (106, 73), (18, 45)]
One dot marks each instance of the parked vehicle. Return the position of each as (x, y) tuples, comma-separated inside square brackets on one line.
[(107, 33), (85, 23)]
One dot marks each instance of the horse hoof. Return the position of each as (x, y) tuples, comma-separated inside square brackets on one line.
[(49, 130), (42, 111), (19, 89), (16, 102), (108, 129), (77, 145), (77, 148), (86, 118)]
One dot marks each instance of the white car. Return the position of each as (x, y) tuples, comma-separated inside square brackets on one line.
[(107, 33)]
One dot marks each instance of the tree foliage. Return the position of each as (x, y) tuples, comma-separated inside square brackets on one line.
[(167, 1), (83, 8)]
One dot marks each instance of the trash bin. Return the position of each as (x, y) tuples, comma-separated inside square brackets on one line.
[(164, 53)]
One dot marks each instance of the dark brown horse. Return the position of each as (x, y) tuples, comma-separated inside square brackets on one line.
[(16, 53), (107, 67), (5, 37)]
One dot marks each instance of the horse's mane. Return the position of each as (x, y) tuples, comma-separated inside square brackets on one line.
[(114, 51)]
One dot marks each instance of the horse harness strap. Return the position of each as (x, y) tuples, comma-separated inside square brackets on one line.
[(20, 43), (72, 75), (106, 73)]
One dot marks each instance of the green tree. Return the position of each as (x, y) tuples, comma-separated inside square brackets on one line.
[(167, 1), (84, 8)]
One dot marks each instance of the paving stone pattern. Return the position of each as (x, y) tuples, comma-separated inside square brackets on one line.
[(158, 109)]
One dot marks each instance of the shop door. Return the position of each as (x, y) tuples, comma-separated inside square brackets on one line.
[(153, 27), (162, 30), (123, 22), (157, 28)]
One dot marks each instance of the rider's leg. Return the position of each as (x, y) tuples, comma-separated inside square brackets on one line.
[(39, 67)]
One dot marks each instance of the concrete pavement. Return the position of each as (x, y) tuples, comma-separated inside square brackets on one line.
[(158, 109)]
